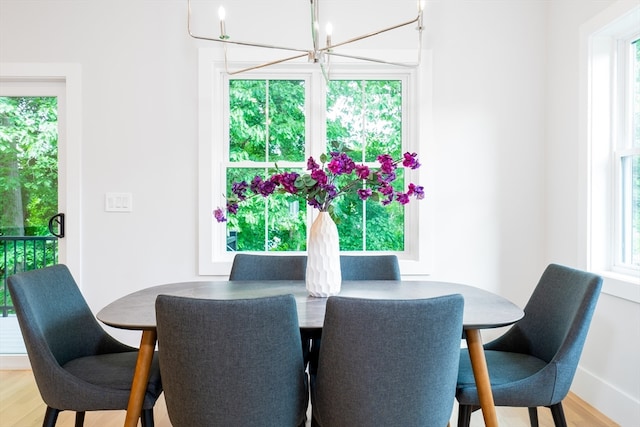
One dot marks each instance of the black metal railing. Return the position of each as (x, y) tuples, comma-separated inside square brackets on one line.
[(22, 253)]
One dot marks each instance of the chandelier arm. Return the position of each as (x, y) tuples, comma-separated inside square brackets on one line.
[(266, 64), (375, 33), (250, 44)]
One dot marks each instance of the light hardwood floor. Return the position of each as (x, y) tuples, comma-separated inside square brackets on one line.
[(21, 406)]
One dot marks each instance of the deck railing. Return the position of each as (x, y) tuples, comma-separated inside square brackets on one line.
[(22, 253)]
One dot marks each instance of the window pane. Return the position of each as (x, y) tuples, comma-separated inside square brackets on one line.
[(366, 116), (631, 210), (247, 120), (286, 120), (276, 223), (251, 135)]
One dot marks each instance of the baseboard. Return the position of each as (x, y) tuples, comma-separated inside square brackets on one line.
[(14, 362), (606, 398)]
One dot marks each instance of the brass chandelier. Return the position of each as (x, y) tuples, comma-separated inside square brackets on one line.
[(316, 54)]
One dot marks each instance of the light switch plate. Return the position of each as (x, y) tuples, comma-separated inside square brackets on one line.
[(118, 202)]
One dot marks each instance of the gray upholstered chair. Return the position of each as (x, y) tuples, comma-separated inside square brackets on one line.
[(534, 362), (268, 267), (369, 267), (388, 362), (213, 373), (76, 364), (293, 267)]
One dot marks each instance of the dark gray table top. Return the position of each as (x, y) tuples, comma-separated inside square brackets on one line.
[(482, 310)]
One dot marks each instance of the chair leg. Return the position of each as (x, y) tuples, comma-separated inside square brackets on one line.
[(80, 419), (147, 418), (558, 415), (533, 416), (50, 417), (464, 415)]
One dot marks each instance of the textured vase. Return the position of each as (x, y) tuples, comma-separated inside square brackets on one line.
[(323, 258)]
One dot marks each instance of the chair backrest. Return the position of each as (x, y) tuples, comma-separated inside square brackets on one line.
[(369, 267), (56, 323), (213, 373), (268, 267), (556, 321), (293, 267), (388, 362)]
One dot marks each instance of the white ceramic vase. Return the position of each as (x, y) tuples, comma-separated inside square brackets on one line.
[(323, 276)]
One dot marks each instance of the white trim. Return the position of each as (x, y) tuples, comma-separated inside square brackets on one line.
[(618, 405), (71, 75), (14, 362)]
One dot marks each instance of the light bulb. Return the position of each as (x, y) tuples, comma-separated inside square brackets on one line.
[(329, 29), (222, 13)]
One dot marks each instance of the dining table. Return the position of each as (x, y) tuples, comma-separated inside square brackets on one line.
[(482, 310)]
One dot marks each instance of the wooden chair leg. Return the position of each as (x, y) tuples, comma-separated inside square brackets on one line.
[(558, 415), (533, 416), (50, 417), (147, 418), (80, 419)]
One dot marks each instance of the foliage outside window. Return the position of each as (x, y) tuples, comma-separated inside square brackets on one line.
[(269, 124)]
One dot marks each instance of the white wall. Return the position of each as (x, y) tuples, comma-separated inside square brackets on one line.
[(609, 374), (505, 102)]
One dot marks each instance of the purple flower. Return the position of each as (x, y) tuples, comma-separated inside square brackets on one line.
[(364, 193), (387, 165), (402, 198), (386, 190), (239, 189), (219, 215), (416, 190), (288, 180), (320, 176), (410, 161), (267, 188), (319, 185), (362, 171), (232, 208), (341, 164), (312, 165), (256, 183), (386, 178)]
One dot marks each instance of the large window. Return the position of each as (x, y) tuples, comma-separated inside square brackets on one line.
[(275, 119), (268, 127)]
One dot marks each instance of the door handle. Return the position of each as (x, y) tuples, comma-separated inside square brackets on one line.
[(59, 220)]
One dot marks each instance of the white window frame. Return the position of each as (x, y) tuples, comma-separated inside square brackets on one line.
[(602, 127), (213, 131)]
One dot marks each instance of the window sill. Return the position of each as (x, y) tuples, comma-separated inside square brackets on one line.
[(620, 285)]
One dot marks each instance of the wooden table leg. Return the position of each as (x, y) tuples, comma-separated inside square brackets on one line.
[(141, 377), (481, 375)]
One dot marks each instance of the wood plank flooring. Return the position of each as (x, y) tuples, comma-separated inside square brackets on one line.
[(21, 406)]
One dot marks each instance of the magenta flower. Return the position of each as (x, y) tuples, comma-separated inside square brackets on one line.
[(402, 198), (362, 171), (337, 174), (219, 215), (410, 161), (364, 193)]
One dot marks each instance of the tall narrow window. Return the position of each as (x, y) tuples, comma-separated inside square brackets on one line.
[(627, 157)]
